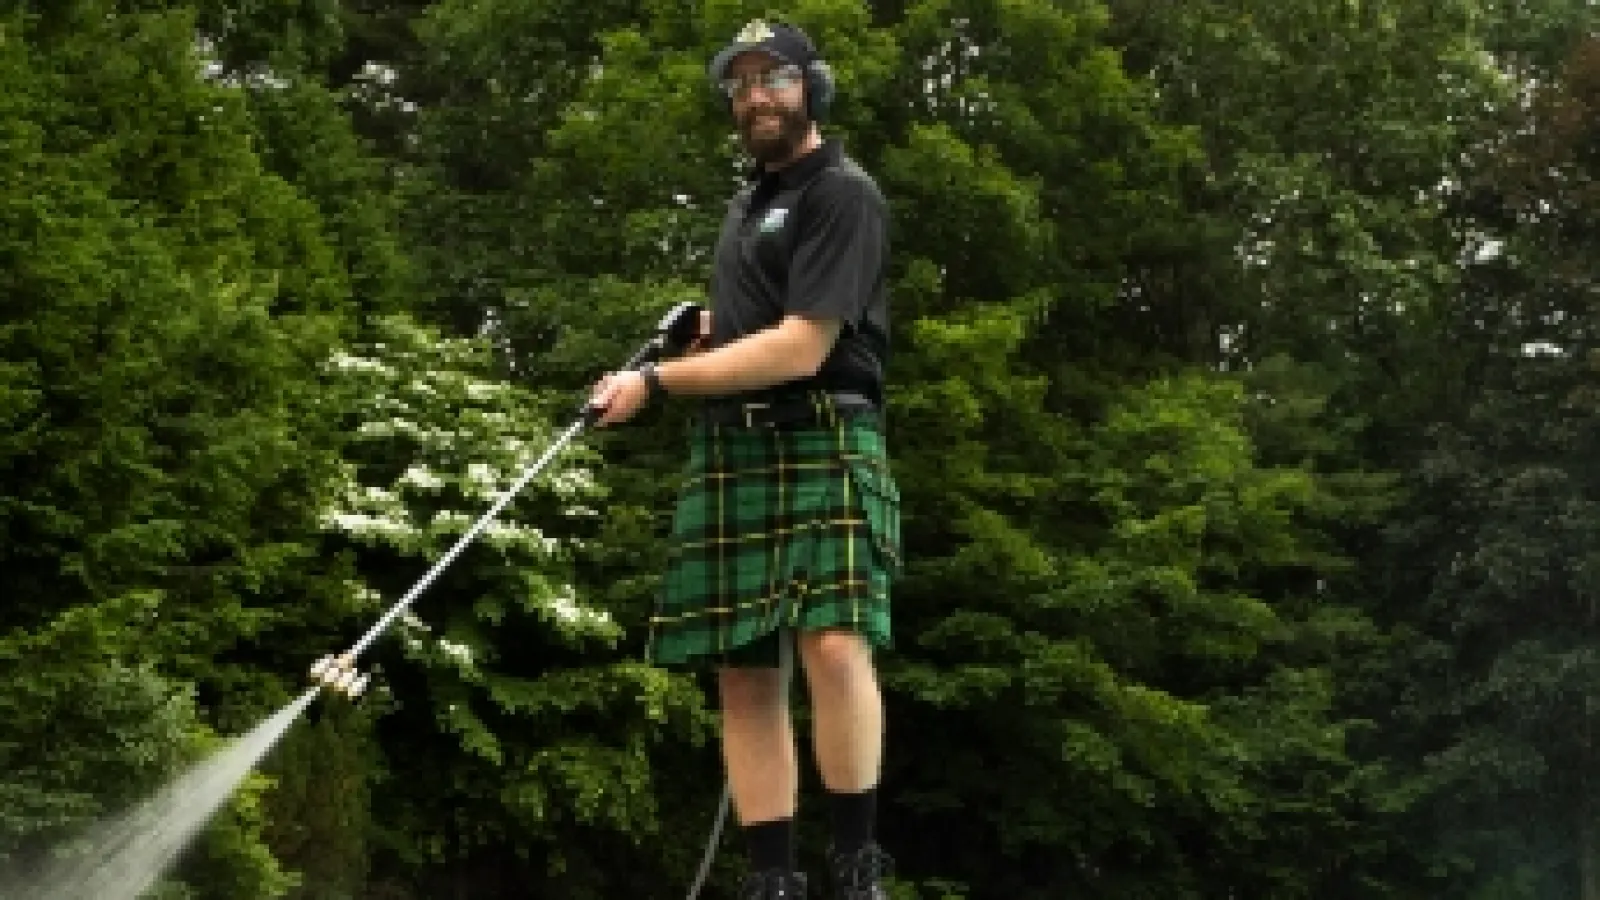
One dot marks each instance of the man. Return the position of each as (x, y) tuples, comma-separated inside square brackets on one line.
[(790, 518)]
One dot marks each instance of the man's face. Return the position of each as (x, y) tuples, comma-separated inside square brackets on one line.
[(768, 106)]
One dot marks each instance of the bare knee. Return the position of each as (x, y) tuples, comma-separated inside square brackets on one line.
[(836, 656), (750, 691)]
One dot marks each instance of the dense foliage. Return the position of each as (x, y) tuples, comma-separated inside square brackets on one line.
[(1242, 401)]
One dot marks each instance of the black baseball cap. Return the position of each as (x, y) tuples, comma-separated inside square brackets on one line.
[(777, 39)]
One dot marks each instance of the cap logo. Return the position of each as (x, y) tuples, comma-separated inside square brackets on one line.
[(755, 33)]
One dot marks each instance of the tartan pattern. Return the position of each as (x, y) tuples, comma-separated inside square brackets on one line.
[(780, 526)]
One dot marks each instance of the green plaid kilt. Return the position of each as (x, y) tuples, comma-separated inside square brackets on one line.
[(787, 526)]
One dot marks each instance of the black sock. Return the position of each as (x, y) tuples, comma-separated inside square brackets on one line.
[(770, 845), (854, 817)]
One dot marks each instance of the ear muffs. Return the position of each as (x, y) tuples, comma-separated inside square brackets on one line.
[(820, 88)]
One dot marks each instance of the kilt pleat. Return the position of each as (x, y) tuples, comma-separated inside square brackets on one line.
[(778, 527)]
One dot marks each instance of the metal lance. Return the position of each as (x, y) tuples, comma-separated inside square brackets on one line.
[(675, 331)]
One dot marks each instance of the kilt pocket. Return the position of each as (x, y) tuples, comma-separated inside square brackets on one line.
[(880, 500)]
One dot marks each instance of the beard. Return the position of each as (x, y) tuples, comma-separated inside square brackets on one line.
[(773, 147)]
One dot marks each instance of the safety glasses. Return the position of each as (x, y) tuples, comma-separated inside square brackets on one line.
[(781, 78)]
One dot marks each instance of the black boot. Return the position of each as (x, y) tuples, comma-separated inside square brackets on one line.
[(773, 884), (859, 875)]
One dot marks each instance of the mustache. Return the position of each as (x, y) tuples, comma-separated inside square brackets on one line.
[(762, 111)]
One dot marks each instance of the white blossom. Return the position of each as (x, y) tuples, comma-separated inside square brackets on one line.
[(485, 390), (363, 525), (566, 608), (483, 475), (345, 362), (461, 653), (421, 404), (420, 476)]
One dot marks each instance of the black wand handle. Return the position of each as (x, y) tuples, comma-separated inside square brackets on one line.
[(674, 333)]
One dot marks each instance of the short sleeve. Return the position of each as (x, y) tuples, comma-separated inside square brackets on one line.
[(838, 258)]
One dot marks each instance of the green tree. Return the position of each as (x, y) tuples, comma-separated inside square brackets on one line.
[(1341, 148), (1494, 564), (168, 301)]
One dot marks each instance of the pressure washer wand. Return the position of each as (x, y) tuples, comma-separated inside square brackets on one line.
[(675, 330)]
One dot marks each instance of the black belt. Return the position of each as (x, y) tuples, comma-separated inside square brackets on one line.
[(789, 410)]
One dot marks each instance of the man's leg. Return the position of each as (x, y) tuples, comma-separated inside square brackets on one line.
[(847, 716), (758, 750)]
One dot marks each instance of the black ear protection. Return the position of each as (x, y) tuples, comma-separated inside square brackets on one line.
[(819, 89), (820, 86)]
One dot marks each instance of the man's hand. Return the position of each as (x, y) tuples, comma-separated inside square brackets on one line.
[(621, 395), (794, 348)]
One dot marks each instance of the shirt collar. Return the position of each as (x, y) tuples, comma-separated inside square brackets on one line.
[(829, 152)]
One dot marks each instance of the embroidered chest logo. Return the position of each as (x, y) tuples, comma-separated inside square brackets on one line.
[(773, 220)]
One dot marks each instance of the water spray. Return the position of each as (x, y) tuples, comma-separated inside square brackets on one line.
[(676, 330), (122, 858)]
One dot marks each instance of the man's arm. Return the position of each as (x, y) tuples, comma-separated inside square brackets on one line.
[(835, 265), (832, 274), (794, 348)]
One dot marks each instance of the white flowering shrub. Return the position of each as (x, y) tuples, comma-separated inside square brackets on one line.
[(435, 441), (507, 701)]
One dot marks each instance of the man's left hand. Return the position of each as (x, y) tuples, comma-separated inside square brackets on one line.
[(621, 395)]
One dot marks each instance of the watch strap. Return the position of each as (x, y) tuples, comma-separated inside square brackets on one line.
[(652, 379)]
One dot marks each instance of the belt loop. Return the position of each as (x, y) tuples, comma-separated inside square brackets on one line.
[(827, 410)]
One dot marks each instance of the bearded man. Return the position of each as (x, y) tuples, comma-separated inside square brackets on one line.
[(789, 523)]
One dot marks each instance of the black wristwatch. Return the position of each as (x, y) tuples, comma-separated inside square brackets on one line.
[(652, 380)]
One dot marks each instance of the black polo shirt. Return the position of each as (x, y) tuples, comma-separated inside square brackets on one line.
[(810, 239)]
